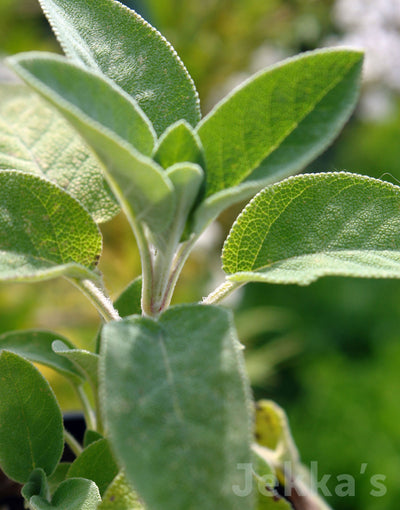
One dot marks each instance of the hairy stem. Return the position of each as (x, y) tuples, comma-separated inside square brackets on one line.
[(221, 292), (99, 299)]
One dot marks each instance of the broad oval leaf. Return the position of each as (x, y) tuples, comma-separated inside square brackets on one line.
[(96, 463), (277, 122), (31, 425), (179, 144), (141, 186), (36, 346), (75, 493), (175, 399), (317, 225), (35, 138), (44, 232), (107, 36)]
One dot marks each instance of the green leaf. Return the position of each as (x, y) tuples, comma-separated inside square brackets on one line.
[(120, 496), (276, 123), (272, 431), (96, 463), (44, 232), (93, 95), (35, 138), (175, 399), (264, 487), (85, 361), (107, 36), (31, 426), (36, 346), (179, 144), (59, 475), (128, 302), (90, 437), (36, 485), (75, 493), (317, 225), (187, 179), (108, 121)]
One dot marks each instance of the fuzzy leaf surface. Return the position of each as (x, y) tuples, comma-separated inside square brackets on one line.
[(75, 493), (35, 138), (274, 124), (109, 122), (108, 37), (31, 425), (36, 346), (317, 225), (179, 144), (85, 362), (175, 399), (96, 463), (44, 232)]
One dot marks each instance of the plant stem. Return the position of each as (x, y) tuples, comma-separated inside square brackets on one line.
[(221, 292), (177, 266), (99, 299), (90, 417), (72, 443)]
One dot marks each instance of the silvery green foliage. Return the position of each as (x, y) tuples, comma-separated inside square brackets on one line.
[(169, 411)]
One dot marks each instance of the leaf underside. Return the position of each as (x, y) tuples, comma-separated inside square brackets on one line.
[(36, 139), (141, 186)]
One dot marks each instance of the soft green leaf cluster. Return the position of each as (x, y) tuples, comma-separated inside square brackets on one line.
[(169, 412)]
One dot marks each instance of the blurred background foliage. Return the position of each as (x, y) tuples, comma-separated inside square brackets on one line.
[(328, 353)]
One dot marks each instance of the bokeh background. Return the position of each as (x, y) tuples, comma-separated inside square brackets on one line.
[(328, 353)]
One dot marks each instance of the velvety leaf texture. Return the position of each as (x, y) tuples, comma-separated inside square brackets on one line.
[(36, 346), (96, 463), (179, 144), (108, 121), (317, 225), (90, 93), (280, 119), (85, 361), (107, 36), (72, 494), (35, 138), (148, 373), (44, 232), (31, 427)]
